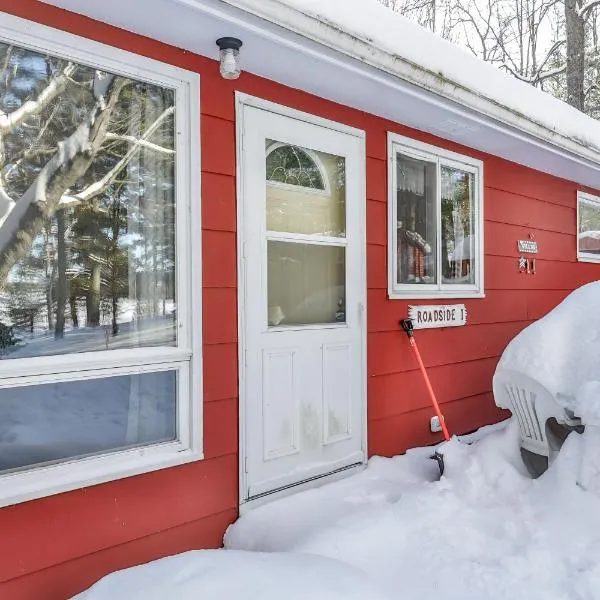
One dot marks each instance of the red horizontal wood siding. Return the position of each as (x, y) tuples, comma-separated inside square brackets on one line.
[(53, 547)]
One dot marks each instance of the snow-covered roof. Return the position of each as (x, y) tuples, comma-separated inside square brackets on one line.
[(395, 44), (361, 54)]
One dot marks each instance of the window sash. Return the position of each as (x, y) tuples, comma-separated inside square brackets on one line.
[(399, 145)]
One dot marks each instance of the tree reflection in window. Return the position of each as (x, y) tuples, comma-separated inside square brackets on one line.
[(292, 165)]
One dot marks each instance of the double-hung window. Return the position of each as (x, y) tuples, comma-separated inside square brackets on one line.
[(99, 254), (435, 222), (588, 227)]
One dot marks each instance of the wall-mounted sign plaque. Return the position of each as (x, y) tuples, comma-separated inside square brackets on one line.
[(428, 317), (528, 246)]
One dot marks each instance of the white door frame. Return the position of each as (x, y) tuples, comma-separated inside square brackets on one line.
[(243, 100)]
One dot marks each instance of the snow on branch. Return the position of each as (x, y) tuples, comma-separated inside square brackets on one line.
[(142, 143), (101, 185), (551, 73), (72, 159), (540, 75), (583, 11), (8, 121)]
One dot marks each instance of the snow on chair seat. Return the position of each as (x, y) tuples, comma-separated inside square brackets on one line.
[(537, 412)]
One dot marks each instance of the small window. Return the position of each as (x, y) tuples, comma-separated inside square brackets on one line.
[(292, 165), (588, 229), (99, 343), (435, 216)]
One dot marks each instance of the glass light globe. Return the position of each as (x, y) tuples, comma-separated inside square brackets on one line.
[(230, 63)]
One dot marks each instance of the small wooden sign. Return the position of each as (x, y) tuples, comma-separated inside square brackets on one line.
[(528, 246), (428, 317)]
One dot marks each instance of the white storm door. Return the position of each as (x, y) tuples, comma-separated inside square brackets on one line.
[(303, 278)]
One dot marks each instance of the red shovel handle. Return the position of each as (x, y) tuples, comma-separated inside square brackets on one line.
[(407, 326)]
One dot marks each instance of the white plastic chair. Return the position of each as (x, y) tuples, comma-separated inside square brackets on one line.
[(533, 406)]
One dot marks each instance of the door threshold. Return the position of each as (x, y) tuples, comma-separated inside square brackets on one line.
[(300, 486)]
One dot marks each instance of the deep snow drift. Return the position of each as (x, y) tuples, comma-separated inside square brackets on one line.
[(229, 575), (561, 350), (486, 531)]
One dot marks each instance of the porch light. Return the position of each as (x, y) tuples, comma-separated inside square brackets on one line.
[(229, 49)]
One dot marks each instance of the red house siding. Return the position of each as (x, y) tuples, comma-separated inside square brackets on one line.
[(54, 547)]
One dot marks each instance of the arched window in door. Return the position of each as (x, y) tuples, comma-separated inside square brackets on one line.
[(295, 166)]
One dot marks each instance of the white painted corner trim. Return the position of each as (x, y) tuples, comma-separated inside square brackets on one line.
[(186, 358)]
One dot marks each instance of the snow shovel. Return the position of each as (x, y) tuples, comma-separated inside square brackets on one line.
[(407, 326)]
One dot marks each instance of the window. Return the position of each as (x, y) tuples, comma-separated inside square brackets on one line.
[(306, 229), (588, 227), (435, 222), (99, 330)]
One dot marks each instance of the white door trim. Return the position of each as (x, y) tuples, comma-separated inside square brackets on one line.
[(244, 100)]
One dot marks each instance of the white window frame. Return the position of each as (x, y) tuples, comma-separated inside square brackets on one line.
[(427, 152), (185, 358), (583, 256)]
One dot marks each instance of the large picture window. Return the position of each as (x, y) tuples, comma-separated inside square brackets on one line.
[(588, 227), (435, 216), (98, 327)]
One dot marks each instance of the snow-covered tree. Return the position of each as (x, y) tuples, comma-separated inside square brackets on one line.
[(552, 44)]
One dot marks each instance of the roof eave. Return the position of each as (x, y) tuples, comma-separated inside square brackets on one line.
[(354, 47)]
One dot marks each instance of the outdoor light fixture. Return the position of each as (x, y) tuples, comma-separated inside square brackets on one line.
[(229, 49)]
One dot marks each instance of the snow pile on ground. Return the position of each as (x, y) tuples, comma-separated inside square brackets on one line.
[(587, 402), (561, 350), (485, 531), (230, 575)]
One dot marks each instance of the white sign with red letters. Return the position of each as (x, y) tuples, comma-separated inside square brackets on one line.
[(428, 317)]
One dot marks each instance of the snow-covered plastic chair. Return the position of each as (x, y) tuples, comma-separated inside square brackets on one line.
[(543, 421)]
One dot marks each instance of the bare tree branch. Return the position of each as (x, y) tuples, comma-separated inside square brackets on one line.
[(584, 10), (96, 188), (537, 77), (8, 121), (74, 156), (140, 142)]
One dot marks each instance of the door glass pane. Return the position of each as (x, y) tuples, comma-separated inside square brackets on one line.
[(61, 421), (306, 190), (95, 269), (458, 227), (306, 284), (417, 221)]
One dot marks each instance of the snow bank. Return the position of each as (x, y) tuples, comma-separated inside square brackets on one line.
[(230, 575), (485, 531), (562, 349), (587, 402), (382, 29)]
